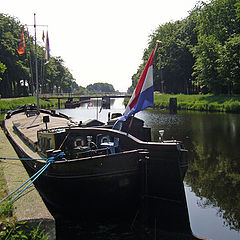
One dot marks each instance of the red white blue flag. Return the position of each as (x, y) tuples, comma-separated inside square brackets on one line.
[(142, 96), (90, 104)]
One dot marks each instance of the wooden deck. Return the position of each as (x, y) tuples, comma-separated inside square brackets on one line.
[(28, 127)]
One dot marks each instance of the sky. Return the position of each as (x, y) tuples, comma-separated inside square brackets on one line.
[(99, 40)]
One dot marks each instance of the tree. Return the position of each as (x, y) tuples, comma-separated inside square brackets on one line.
[(173, 61), (21, 69), (218, 28), (2, 70), (100, 88)]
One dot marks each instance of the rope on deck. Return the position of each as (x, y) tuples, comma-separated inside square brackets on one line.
[(58, 156)]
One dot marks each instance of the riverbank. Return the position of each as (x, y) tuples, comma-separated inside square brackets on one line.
[(29, 207), (12, 103), (208, 103)]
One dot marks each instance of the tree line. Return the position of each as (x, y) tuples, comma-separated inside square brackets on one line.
[(200, 53), (17, 71)]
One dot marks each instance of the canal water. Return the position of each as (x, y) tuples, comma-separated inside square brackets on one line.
[(212, 182)]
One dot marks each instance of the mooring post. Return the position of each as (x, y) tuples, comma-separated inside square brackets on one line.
[(59, 106), (173, 105)]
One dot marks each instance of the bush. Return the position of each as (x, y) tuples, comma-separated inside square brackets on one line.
[(233, 107), (6, 210), (19, 231)]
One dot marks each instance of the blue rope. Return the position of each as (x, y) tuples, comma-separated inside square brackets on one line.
[(33, 176), (58, 156), (50, 160), (38, 174)]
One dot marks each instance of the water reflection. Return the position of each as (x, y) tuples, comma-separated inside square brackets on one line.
[(214, 169), (214, 172)]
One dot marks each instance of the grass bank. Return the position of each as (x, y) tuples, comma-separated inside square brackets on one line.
[(209, 102), (12, 103)]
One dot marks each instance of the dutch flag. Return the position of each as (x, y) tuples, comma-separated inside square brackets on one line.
[(142, 96)]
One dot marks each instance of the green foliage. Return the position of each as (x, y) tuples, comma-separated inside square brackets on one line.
[(173, 61), (217, 52), (6, 210), (100, 88), (2, 69), (199, 53), (52, 77), (209, 102), (9, 104), (14, 230)]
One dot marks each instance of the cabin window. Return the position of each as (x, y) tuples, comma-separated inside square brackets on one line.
[(48, 144), (45, 144), (41, 143)]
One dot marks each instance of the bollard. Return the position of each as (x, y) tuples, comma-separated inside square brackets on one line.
[(173, 105), (59, 105)]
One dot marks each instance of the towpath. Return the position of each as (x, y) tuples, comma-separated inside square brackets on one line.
[(29, 206)]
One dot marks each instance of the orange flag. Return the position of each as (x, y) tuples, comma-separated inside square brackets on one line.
[(21, 48)]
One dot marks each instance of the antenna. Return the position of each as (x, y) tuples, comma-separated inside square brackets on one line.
[(36, 67), (35, 26)]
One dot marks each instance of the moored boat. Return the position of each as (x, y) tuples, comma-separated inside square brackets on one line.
[(103, 171), (93, 169)]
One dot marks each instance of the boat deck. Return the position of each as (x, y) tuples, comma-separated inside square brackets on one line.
[(28, 127)]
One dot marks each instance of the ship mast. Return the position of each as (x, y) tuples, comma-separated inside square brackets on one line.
[(37, 91)]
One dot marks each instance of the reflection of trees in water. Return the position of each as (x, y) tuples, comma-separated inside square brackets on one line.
[(213, 144), (215, 179)]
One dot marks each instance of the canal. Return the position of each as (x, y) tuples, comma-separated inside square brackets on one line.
[(212, 183)]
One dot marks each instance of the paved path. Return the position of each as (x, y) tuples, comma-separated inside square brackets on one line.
[(30, 206)]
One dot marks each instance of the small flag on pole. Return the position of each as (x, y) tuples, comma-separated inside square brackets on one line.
[(90, 104), (43, 36), (21, 48), (47, 51)]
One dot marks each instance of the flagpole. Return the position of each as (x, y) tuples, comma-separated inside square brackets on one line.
[(35, 26), (143, 94), (97, 108)]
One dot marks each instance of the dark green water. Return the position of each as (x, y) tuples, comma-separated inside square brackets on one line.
[(213, 177), (212, 183)]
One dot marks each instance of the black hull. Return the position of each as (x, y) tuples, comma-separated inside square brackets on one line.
[(161, 203), (113, 194), (128, 183), (108, 194)]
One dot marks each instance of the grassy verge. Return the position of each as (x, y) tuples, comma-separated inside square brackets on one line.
[(10, 228), (3, 186), (21, 230), (209, 102), (12, 103)]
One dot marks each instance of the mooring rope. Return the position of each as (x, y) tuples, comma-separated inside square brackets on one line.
[(34, 177)]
